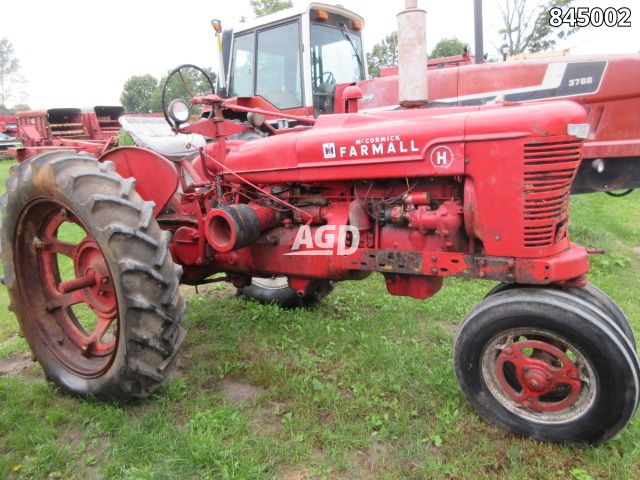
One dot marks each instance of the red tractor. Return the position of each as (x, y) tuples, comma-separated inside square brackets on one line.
[(416, 194)]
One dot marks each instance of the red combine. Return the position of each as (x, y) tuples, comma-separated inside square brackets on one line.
[(416, 194), (93, 131)]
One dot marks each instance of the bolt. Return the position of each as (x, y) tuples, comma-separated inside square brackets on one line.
[(104, 281), (481, 274), (435, 270), (498, 238), (533, 383), (510, 277), (434, 259), (37, 243)]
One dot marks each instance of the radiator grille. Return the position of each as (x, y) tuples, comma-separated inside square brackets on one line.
[(549, 168)]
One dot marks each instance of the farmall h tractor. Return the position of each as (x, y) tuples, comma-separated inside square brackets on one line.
[(415, 194)]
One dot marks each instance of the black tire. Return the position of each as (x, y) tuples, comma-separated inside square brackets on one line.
[(591, 294), (607, 384), (276, 290), (142, 277)]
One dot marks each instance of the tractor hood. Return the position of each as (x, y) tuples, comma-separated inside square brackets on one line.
[(401, 143)]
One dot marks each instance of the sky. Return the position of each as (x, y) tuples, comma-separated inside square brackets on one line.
[(78, 53)]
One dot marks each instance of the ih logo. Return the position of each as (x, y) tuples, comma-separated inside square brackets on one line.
[(328, 240), (441, 157), (329, 150)]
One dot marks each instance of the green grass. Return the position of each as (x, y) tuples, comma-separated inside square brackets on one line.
[(361, 387)]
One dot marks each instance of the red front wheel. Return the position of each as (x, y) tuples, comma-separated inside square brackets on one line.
[(89, 277), (545, 364)]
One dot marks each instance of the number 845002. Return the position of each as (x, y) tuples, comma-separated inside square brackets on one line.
[(587, 16)]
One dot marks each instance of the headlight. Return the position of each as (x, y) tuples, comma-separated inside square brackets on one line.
[(179, 112)]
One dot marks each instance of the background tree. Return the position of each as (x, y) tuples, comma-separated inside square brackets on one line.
[(143, 93), (447, 47), (9, 72), (526, 25), (383, 54), (138, 94), (265, 7)]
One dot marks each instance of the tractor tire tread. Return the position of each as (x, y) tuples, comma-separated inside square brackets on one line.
[(150, 308)]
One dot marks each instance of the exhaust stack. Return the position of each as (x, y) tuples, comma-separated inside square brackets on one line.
[(412, 55)]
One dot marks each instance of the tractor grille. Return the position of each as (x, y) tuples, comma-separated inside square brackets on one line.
[(549, 168)]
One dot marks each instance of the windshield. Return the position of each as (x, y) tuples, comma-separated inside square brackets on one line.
[(333, 59)]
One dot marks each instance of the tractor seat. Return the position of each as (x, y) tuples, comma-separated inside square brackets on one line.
[(155, 134)]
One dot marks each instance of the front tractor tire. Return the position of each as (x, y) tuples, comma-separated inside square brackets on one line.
[(90, 278), (591, 294), (546, 364)]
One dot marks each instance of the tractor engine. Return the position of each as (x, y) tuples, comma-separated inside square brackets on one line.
[(417, 195)]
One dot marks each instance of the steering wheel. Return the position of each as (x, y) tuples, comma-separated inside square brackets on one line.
[(185, 82), (330, 78)]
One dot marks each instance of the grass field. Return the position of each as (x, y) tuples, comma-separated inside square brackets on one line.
[(361, 387)]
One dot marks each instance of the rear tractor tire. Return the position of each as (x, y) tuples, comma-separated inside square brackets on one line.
[(546, 364), (90, 278), (276, 290)]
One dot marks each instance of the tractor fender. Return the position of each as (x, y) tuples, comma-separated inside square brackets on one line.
[(156, 177)]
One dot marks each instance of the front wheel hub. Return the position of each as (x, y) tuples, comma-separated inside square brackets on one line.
[(538, 375), (540, 369)]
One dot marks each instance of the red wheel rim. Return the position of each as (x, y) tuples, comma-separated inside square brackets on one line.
[(538, 375), (78, 321)]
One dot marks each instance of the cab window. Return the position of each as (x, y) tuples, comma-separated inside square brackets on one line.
[(243, 70), (278, 77)]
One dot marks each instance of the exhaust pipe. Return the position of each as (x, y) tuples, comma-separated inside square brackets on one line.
[(412, 56), (237, 226)]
